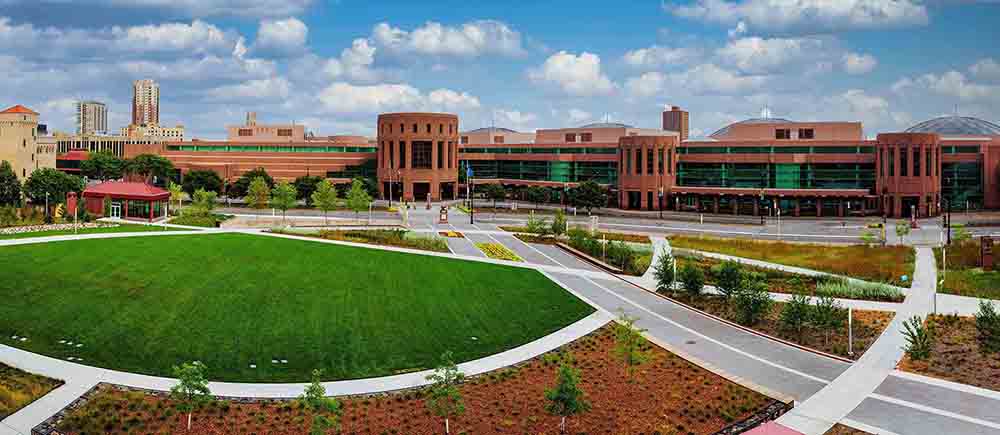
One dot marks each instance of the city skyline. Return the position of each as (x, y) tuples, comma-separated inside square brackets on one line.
[(333, 67)]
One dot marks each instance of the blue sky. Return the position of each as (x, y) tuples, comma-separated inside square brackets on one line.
[(334, 65)]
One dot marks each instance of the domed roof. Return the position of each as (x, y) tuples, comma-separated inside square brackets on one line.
[(606, 125), (725, 130), (957, 125)]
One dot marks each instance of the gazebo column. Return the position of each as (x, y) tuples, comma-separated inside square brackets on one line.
[(125, 204), (150, 210)]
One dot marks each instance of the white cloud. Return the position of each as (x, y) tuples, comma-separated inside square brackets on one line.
[(805, 16), (514, 119), (711, 79), (343, 97), (646, 85), (576, 116), (574, 75), (206, 68), (198, 37), (986, 69), (855, 63), (657, 56), (759, 55), (269, 88), (951, 84), (286, 36), (206, 8), (475, 38), (354, 62)]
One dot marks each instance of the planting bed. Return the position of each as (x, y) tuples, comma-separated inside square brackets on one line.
[(669, 395), (610, 236), (839, 429), (397, 238), (67, 229), (956, 355), (878, 264), (498, 252), (868, 325), (18, 389), (145, 304)]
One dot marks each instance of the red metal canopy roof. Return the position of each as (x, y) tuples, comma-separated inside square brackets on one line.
[(20, 109), (126, 190)]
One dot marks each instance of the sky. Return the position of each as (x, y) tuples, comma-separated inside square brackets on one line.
[(334, 65)]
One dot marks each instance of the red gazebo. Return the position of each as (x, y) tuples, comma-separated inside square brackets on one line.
[(127, 200)]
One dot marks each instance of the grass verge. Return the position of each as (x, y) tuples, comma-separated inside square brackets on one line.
[(964, 276), (120, 228)]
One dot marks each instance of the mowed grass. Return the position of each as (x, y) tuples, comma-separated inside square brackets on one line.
[(879, 264), (964, 276), (122, 228), (146, 304)]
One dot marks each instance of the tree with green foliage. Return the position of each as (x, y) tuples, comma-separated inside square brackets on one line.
[(630, 346), (258, 194), (324, 197), (496, 192), (827, 315), (150, 167), (988, 327), (664, 271), (868, 237), (589, 195), (538, 225), (10, 186), (444, 398), (536, 195), (202, 179), (357, 198), (795, 314), (566, 399), (305, 186), (370, 184), (176, 194), (102, 166), (53, 182), (326, 410), (191, 390), (728, 277), (204, 200), (919, 339), (960, 233), (902, 230), (283, 197), (692, 279), (242, 185), (559, 223), (752, 302)]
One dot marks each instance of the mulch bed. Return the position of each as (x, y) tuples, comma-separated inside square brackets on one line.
[(956, 355), (668, 395), (532, 238), (839, 429), (868, 325), (18, 389)]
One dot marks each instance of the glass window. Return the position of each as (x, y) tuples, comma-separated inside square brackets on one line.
[(638, 162), (402, 154), (649, 162), (892, 162), (284, 132), (628, 161), (440, 158), (422, 154), (903, 162), (659, 162), (806, 133), (927, 156), (670, 161), (465, 139), (570, 137), (916, 162), (782, 133), (586, 137)]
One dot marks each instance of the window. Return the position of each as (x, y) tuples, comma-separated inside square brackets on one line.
[(806, 133), (245, 132), (402, 154), (402, 128), (422, 151), (586, 137), (497, 139), (392, 154), (903, 166), (916, 162), (285, 132), (440, 128), (415, 128), (638, 162), (465, 139), (649, 162), (659, 161), (449, 153), (440, 153), (449, 128), (927, 156), (628, 161), (570, 137), (428, 129), (782, 133), (881, 164), (892, 162), (670, 160)]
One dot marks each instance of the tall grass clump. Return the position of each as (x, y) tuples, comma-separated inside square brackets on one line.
[(869, 291)]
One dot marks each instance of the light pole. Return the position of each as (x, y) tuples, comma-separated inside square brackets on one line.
[(46, 207), (661, 202), (469, 191)]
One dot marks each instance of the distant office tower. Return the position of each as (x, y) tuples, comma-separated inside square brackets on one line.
[(91, 118), (676, 119), (145, 103)]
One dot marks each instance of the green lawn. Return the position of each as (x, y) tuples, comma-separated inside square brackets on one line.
[(145, 304), (964, 276), (122, 228)]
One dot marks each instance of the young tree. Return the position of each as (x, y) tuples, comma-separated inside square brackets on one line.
[(305, 186), (629, 344), (191, 390), (566, 399), (314, 399), (559, 223), (795, 314), (988, 327), (357, 198), (202, 179), (752, 302), (536, 195), (664, 272), (10, 186), (692, 279), (827, 315), (258, 194), (919, 339), (283, 197), (242, 185), (444, 398), (150, 166), (589, 195), (728, 278), (902, 229), (324, 198), (176, 194), (204, 200), (495, 192), (102, 166)]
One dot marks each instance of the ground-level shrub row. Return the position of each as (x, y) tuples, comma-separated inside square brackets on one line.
[(633, 259), (957, 354), (398, 238)]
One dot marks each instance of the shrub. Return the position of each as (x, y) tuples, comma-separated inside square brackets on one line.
[(692, 279), (840, 288), (752, 303), (827, 315), (8, 216), (728, 277), (538, 225), (960, 234), (918, 339), (559, 223), (988, 326), (664, 272), (795, 314)]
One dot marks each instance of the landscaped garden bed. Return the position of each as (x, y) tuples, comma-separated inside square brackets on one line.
[(886, 264), (790, 283), (18, 389), (396, 237), (667, 395), (839, 429), (605, 235), (497, 251), (963, 275), (67, 229), (451, 234), (956, 354), (245, 304)]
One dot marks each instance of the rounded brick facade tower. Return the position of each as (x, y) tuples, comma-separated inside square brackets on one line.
[(418, 156), (908, 170), (647, 167)]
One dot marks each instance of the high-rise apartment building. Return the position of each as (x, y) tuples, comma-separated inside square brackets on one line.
[(145, 102), (91, 118)]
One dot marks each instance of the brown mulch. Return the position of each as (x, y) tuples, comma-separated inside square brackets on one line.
[(868, 325), (956, 355), (839, 429), (668, 395)]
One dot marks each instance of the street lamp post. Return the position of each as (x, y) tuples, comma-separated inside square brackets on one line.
[(46, 207), (661, 202)]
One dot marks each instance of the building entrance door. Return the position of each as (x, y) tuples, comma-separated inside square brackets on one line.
[(116, 210)]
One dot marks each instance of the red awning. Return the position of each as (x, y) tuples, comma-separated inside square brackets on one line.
[(126, 190)]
